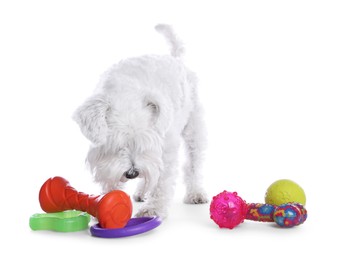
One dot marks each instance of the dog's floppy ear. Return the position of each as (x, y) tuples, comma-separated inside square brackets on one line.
[(91, 117)]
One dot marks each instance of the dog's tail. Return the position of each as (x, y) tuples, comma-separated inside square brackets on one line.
[(177, 48)]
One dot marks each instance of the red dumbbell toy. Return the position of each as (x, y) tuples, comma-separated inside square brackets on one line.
[(113, 210)]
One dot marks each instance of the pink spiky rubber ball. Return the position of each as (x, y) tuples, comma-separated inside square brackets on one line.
[(227, 209)]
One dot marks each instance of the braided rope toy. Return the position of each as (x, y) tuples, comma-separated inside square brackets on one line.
[(228, 210)]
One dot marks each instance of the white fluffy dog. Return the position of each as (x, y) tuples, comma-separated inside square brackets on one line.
[(135, 120)]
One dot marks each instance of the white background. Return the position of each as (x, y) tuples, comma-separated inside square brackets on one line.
[(268, 81)]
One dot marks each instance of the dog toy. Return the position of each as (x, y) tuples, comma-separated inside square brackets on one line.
[(66, 221), (113, 210), (228, 210), (290, 215), (284, 215), (284, 191), (134, 226)]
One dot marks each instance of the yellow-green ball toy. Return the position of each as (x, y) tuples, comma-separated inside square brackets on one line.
[(284, 191)]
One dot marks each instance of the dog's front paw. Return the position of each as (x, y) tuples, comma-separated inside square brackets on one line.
[(196, 198), (138, 197), (151, 212)]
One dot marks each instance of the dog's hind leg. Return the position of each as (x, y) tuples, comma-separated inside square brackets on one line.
[(194, 135)]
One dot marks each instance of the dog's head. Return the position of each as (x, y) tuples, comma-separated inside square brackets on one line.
[(126, 133)]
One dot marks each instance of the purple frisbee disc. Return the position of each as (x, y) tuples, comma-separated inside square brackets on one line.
[(134, 226)]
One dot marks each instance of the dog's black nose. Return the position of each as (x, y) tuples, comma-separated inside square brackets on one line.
[(132, 173)]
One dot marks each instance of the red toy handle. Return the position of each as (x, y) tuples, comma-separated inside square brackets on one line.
[(113, 210)]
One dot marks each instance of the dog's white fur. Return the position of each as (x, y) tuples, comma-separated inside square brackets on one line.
[(136, 118)]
